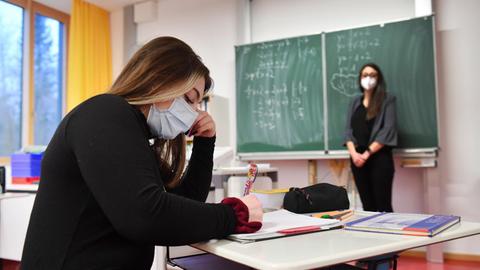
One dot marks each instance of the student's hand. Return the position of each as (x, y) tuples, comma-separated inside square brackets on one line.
[(255, 211), (248, 212), (204, 126)]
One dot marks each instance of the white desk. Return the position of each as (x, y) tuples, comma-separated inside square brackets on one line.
[(326, 248), (11, 195), (15, 209)]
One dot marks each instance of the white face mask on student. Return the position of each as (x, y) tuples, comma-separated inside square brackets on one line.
[(368, 83), (168, 123)]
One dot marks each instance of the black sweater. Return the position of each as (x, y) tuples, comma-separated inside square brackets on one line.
[(101, 203)]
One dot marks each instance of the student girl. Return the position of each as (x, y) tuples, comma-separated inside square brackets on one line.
[(370, 134), (113, 183)]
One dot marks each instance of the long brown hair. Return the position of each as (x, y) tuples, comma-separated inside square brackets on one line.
[(163, 69), (378, 94)]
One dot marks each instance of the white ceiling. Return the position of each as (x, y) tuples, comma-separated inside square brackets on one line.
[(66, 5)]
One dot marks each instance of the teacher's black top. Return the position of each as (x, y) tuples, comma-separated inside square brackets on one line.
[(101, 203), (362, 127), (384, 129)]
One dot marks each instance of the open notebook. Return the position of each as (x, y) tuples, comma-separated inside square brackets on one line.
[(281, 223)]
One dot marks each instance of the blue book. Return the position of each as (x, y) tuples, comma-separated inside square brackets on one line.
[(401, 223)]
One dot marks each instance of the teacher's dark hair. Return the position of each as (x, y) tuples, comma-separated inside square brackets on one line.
[(378, 94)]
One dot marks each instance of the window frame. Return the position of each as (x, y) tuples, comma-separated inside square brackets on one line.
[(28, 96)]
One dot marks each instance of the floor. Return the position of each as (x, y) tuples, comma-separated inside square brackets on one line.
[(412, 263), (404, 263)]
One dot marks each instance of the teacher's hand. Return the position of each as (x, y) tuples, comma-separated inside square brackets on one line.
[(365, 155), (357, 159)]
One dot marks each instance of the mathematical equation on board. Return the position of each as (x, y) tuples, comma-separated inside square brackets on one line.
[(274, 57), (267, 88), (353, 48), (269, 103)]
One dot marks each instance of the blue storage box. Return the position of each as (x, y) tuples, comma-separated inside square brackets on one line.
[(26, 164), (26, 157)]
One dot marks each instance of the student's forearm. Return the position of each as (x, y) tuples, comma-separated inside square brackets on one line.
[(198, 175)]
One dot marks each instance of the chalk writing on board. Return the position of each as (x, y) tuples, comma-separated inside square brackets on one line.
[(269, 103), (269, 96), (354, 48)]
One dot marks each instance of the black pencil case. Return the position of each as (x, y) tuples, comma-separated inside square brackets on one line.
[(316, 198)]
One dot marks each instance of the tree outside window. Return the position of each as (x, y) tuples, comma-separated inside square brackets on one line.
[(11, 73), (48, 77)]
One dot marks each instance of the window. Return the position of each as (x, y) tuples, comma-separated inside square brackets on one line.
[(48, 77), (11, 74), (32, 73)]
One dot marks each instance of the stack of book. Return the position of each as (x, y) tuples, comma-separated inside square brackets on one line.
[(26, 168), (401, 223)]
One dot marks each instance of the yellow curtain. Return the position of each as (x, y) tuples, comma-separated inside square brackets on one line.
[(89, 53)]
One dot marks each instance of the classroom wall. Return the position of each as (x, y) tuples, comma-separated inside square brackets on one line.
[(273, 19), (458, 43), (213, 27), (117, 36)]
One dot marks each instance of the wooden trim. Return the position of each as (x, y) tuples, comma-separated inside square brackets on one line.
[(21, 3), (31, 68), (50, 12), (414, 254), (447, 255), (461, 257), (4, 161)]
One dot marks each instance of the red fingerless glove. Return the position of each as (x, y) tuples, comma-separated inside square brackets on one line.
[(241, 212)]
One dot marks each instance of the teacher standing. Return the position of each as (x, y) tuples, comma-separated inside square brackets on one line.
[(370, 135)]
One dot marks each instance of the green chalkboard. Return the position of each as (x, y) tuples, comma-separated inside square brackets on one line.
[(280, 95), (281, 90), (405, 53)]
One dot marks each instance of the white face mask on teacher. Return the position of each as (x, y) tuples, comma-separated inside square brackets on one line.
[(368, 83), (168, 123)]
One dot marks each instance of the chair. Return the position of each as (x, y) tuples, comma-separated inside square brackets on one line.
[(236, 185)]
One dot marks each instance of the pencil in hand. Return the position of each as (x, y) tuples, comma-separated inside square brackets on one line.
[(251, 176)]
